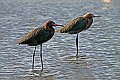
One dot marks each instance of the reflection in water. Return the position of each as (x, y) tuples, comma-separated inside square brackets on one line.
[(80, 67), (35, 77), (99, 46)]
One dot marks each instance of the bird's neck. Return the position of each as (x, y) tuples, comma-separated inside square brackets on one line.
[(49, 28), (87, 17), (52, 30)]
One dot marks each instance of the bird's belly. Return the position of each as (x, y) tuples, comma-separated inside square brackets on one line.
[(74, 32), (35, 43)]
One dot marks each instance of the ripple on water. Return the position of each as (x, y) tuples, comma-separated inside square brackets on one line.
[(98, 46)]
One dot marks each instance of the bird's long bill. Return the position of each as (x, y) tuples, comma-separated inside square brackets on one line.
[(58, 25), (97, 16)]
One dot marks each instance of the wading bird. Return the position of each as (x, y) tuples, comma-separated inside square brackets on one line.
[(77, 25), (39, 36)]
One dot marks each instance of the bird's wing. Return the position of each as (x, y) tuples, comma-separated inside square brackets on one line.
[(33, 36), (74, 26)]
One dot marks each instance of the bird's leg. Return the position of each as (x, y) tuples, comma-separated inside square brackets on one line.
[(33, 58), (41, 56), (77, 45)]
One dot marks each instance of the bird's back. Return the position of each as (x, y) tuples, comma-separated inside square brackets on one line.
[(75, 26), (35, 37)]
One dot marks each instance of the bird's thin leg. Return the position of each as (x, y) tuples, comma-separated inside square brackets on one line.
[(77, 45), (41, 56), (33, 58)]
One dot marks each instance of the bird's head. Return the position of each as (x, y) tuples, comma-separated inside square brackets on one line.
[(49, 24), (90, 15)]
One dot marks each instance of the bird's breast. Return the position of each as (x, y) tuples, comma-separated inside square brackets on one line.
[(51, 33), (88, 24)]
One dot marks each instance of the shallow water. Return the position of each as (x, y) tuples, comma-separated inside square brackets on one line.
[(99, 46)]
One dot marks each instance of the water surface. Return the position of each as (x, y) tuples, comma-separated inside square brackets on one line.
[(99, 46)]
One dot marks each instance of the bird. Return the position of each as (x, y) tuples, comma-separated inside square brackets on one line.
[(38, 36), (77, 25)]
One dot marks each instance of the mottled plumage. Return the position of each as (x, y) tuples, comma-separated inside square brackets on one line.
[(77, 25), (36, 37)]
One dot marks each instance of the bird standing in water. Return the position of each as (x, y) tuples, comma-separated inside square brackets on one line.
[(39, 36), (77, 25)]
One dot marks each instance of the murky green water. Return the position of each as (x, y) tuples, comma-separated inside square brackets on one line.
[(99, 46)]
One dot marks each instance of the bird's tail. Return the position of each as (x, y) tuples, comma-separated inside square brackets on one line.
[(20, 41)]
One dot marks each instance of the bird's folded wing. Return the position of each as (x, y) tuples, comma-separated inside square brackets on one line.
[(75, 25), (34, 35)]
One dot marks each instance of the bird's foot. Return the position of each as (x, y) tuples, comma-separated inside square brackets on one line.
[(77, 56), (41, 70)]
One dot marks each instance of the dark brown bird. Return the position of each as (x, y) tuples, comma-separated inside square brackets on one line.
[(39, 36), (77, 25)]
